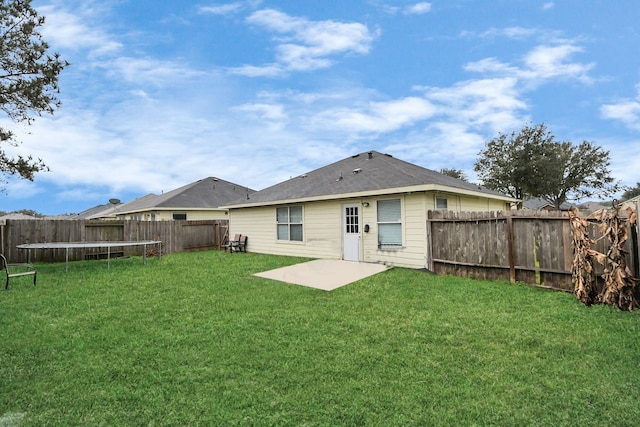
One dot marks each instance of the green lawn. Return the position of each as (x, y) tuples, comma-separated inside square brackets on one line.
[(195, 339)]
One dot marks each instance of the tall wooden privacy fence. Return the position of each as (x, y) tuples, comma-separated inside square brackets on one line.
[(533, 247), (176, 236)]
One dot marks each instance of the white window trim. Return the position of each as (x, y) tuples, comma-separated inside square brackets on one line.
[(401, 222), (441, 198), (289, 223)]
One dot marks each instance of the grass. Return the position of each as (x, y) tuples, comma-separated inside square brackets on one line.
[(195, 339)]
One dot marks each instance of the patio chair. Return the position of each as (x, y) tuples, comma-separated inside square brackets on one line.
[(232, 243), (242, 244), (16, 270)]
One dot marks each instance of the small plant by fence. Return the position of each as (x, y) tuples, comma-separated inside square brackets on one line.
[(176, 236), (533, 247)]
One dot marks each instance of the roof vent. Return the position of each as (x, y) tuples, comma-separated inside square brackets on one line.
[(370, 155), (304, 175), (339, 178), (358, 170)]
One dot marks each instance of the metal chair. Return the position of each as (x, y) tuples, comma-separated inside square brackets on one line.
[(19, 270)]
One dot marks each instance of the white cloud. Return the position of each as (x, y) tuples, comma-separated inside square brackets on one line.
[(222, 9), (517, 33), (273, 116), (542, 63), (149, 71), (418, 8), (546, 62), (485, 104), (376, 117), (65, 30), (625, 110), (305, 45), (548, 5)]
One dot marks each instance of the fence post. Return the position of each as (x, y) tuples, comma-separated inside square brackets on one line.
[(429, 244), (635, 244), (510, 245), (2, 223)]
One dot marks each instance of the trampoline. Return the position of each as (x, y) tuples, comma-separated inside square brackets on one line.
[(85, 245)]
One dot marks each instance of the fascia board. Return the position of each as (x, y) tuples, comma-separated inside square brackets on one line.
[(372, 193)]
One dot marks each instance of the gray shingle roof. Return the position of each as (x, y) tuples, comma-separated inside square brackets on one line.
[(368, 171), (208, 193), (95, 212), (541, 203)]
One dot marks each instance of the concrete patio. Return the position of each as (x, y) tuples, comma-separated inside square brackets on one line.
[(324, 274)]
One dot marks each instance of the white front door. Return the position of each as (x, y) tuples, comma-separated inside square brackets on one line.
[(351, 232)]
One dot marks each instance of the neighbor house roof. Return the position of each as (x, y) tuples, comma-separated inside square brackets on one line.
[(16, 216), (99, 211), (364, 174), (208, 193), (537, 203), (634, 199)]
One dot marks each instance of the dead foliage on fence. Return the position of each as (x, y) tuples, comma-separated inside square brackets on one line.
[(582, 269), (620, 287)]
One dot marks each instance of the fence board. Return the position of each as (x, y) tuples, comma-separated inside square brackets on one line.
[(176, 236), (533, 247)]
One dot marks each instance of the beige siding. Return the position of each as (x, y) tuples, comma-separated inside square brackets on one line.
[(323, 228), (464, 203), (412, 252)]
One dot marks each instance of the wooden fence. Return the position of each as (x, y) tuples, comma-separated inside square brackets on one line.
[(176, 236), (533, 247)]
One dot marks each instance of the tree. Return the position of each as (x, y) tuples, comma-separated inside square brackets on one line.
[(28, 79), (531, 163), (505, 163), (454, 173), (630, 193)]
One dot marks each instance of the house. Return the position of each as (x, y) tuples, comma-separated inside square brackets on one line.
[(587, 208), (540, 203), (97, 212), (199, 200), (16, 216), (369, 207)]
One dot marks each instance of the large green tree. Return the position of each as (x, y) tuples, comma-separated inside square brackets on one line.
[(531, 163), (28, 80), (632, 192), (454, 173)]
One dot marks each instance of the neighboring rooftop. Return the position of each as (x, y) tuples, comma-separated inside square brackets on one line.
[(17, 216), (539, 203), (207, 193)]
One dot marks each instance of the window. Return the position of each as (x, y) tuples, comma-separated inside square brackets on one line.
[(179, 216), (441, 203), (289, 221), (389, 223), (351, 219)]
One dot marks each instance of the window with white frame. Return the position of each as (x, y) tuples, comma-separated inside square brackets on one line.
[(289, 219), (389, 223), (442, 204)]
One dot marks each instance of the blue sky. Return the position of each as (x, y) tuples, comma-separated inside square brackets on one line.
[(162, 93)]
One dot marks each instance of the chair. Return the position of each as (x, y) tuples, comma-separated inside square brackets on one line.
[(232, 243), (242, 244), (19, 270)]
